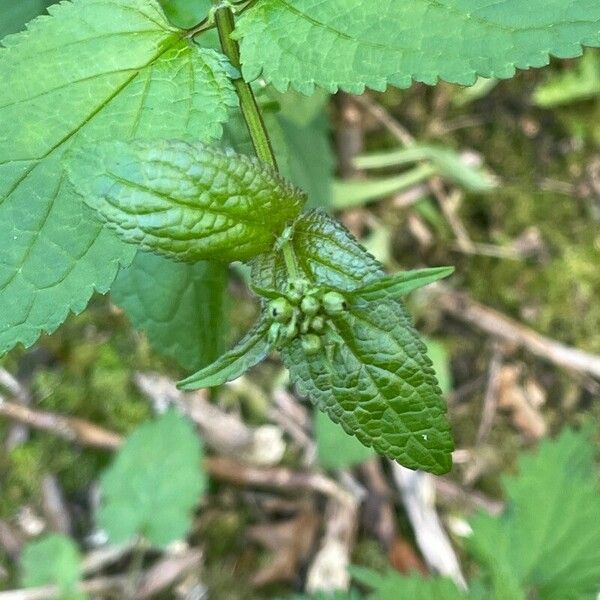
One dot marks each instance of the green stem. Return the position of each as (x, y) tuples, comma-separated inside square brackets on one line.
[(250, 111), (289, 258)]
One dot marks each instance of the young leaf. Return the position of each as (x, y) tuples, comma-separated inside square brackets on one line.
[(249, 351), (154, 483), (337, 449), (350, 44), (392, 585), (548, 540), (92, 70), (186, 201), (376, 381), (181, 307), (53, 560), (394, 286), (326, 252)]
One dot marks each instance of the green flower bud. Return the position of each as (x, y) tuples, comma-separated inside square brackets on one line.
[(305, 325), (310, 306), (280, 310), (317, 324), (311, 344), (334, 303), (296, 289), (290, 331)]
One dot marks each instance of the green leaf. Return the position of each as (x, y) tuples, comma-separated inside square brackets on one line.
[(327, 253), (350, 44), (337, 449), (154, 483), (16, 14), (548, 540), (249, 351), (391, 585), (180, 307), (376, 380), (186, 13), (338, 595), (53, 560), (394, 286), (186, 201), (93, 70)]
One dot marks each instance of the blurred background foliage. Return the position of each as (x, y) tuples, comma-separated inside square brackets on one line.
[(519, 163)]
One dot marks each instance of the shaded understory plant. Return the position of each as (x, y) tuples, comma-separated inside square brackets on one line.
[(110, 117)]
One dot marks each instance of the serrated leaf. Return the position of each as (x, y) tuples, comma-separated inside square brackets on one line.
[(249, 351), (548, 540), (376, 380), (154, 483), (392, 585), (16, 14), (186, 201), (92, 70), (53, 560), (337, 449), (350, 44), (327, 253), (180, 307), (399, 284)]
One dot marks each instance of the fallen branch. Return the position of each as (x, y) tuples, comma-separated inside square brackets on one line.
[(69, 428), (280, 478), (418, 495), (461, 306)]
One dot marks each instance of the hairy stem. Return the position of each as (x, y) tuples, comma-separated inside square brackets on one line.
[(250, 111)]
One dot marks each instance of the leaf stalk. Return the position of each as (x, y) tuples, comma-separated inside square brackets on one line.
[(258, 132)]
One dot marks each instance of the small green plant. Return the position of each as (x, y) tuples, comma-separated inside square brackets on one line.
[(53, 560), (154, 483), (110, 113), (545, 545)]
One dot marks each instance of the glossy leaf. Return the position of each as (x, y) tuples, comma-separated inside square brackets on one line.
[(327, 253), (350, 44), (376, 381), (91, 71), (180, 307), (400, 284), (154, 483), (185, 13), (186, 201), (249, 351)]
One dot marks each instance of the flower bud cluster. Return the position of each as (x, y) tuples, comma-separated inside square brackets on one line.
[(303, 312)]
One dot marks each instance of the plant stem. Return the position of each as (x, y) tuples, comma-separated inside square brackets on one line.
[(289, 258), (250, 111)]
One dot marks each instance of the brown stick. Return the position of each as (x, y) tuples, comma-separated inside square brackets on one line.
[(69, 428), (280, 478), (461, 306)]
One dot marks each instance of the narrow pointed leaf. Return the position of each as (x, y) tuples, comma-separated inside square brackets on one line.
[(394, 286), (249, 351), (376, 380), (186, 201)]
